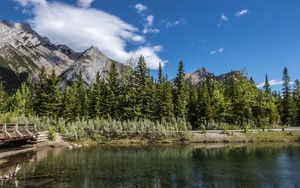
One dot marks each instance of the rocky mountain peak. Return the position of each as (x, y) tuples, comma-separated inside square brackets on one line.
[(20, 34), (88, 64), (201, 72), (197, 76), (92, 52), (23, 52)]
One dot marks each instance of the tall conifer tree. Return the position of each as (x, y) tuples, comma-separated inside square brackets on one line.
[(267, 86), (180, 101), (54, 103), (286, 106), (113, 92)]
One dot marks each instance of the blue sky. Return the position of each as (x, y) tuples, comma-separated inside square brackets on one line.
[(259, 36)]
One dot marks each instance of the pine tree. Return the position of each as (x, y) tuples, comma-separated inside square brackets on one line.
[(297, 102), (145, 90), (4, 98), (203, 106), (54, 103), (41, 98), (97, 98), (180, 101), (129, 107), (81, 102), (113, 92), (267, 86), (286, 106), (265, 109), (252, 80), (164, 99), (70, 103), (167, 106), (192, 107), (160, 74)]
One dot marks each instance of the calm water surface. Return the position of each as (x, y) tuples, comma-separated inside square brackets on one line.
[(160, 166)]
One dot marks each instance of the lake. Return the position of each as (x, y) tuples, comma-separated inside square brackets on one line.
[(268, 165)]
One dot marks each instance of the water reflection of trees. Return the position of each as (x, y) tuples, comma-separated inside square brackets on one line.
[(247, 166)]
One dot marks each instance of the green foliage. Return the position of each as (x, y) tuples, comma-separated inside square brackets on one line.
[(4, 98), (267, 86), (110, 128), (97, 98), (40, 104), (113, 92), (297, 102), (180, 95), (133, 104), (81, 99), (54, 96), (164, 99), (145, 90), (20, 103), (52, 134), (204, 109), (286, 106), (192, 107)]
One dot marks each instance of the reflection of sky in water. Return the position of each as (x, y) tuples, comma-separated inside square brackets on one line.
[(186, 166), (288, 168)]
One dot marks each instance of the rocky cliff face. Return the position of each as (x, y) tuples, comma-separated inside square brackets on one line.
[(89, 64), (23, 52), (202, 74), (197, 76)]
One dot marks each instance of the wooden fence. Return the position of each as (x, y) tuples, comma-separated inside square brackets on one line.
[(13, 132)]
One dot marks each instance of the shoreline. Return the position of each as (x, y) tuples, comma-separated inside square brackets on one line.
[(210, 139), (200, 138)]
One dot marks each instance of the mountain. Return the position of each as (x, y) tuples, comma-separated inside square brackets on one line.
[(202, 74), (23, 52), (89, 64), (197, 76)]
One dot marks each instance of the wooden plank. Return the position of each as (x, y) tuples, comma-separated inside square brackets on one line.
[(15, 132)]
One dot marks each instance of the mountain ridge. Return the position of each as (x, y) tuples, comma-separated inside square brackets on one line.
[(23, 52)]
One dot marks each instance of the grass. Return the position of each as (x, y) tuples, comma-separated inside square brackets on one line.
[(273, 136)]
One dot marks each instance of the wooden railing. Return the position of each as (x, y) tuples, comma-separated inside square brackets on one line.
[(11, 132)]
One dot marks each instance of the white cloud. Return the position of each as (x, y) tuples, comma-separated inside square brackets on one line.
[(85, 3), (273, 83), (213, 52), (148, 25), (220, 50), (140, 8), (80, 28), (150, 55), (26, 3), (223, 19), (150, 30), (150, 20), (242, 13), (181, 21)]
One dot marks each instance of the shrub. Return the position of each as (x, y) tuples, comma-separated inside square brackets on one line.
[(52, 134)]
